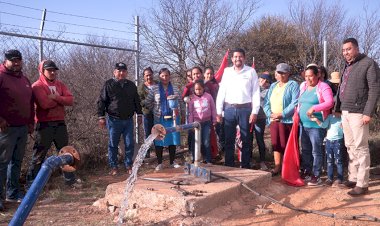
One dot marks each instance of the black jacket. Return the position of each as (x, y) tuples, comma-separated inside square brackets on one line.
[(362, 89), (119, 99)]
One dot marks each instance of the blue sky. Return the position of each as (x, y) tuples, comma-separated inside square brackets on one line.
[(116, 10)]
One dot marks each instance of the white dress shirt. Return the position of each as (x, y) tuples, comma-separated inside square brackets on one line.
[(239, 88)]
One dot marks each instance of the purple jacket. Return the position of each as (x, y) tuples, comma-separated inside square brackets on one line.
[(325, 98), (202, 109), (16, 98)]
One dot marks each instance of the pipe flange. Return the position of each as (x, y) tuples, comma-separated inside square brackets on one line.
[(70, 150), (160, 131)]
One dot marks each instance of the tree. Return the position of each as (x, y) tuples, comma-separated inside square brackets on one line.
[(180, 34), (271, 41)]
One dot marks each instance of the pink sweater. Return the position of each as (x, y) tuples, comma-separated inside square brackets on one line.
[(47, 109), (325, 97), (202, 108)]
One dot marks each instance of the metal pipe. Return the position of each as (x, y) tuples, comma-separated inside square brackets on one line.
[(69, 157), (137, 66), (197, 145), (162, 131)]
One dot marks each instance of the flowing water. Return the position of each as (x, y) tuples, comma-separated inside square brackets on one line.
[(133, 177)]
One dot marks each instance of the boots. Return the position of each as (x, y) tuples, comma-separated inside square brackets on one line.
[(277, 163)]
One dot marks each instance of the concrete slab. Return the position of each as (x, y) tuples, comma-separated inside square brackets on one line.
[(162, 196)]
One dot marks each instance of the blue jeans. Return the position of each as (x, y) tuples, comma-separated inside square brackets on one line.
[(116, 128), (259, 133), (205, 141), (232, 117), (311, 143), (46, 134), (12, 149), (333, 152)]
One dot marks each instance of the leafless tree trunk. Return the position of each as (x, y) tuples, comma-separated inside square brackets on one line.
[(181, 34)]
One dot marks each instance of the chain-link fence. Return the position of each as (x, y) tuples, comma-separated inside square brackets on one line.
[(84, 67)]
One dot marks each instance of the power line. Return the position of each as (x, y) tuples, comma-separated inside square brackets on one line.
[(68, 32), (68, 14), (72, 24)]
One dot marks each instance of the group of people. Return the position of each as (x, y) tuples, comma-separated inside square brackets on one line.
[(24, 108), (239, 98)]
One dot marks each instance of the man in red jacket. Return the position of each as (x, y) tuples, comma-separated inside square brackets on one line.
[(51, 97), (16, 120)]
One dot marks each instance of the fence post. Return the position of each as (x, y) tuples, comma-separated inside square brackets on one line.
[(41, 31), (137, 66)]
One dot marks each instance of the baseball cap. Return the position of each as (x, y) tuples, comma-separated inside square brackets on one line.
[(266, 77), (121, 66), (49, 64), (13, 54), (283, 67)]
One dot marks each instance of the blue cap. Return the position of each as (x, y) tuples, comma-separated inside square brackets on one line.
[(266, 77)]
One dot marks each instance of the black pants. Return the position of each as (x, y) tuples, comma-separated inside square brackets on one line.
[(159, 150), (46, 134)]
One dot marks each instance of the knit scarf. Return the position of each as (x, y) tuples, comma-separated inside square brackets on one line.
[(165, 110)]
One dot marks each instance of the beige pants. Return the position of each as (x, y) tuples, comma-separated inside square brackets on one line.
[(356, 140)]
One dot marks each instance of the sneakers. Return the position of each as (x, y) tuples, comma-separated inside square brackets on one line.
[(128, 169), (357, 191), (328, 182), (263, 166), (175, 165), (1, 206), (158, 167), (314, 181), (337, 183), (350, 184), (77, 184), (16, 199), (113, 172)]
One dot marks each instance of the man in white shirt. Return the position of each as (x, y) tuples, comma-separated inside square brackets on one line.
[(239, 98)]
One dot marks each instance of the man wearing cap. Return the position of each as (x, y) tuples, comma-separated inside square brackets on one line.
[(357, 98), (259, 128), (16, 120), (51, 97), (239, 98), (120, 100)]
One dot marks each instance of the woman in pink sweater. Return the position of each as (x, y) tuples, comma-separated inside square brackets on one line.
[(202, 109)]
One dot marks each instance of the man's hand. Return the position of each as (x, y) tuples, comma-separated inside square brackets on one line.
[(52, 96), (30, 128), (276, 116), (102, 123), (219, 118), (366, 119), (252, 118), (3, 125)]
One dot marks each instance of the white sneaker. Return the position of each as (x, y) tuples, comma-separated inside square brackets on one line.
[(263, 166), (175, 165), (158, 167)]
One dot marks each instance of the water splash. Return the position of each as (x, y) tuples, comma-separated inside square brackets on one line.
[(133, 177)]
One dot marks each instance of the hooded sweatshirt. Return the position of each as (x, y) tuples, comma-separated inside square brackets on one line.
[(16, 100), (48, 109)]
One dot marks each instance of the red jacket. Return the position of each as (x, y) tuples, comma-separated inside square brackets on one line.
[(48, 109), (16, 100)]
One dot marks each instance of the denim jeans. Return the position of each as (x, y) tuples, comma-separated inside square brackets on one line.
[(116, 128), (259, 133), (12, 149), (205, 141), (232, 117), (148, 125), (333, 152), (311, 143), (46, 134)]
